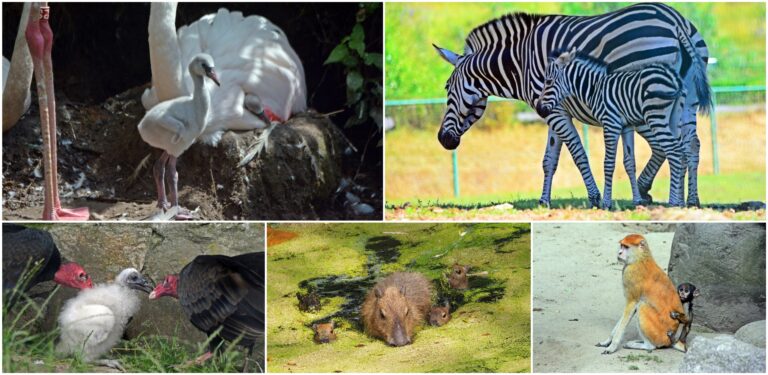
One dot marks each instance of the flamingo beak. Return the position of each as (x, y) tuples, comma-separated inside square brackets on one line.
[(210, 73)]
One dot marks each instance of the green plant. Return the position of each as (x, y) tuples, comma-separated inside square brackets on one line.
[(363, 70)]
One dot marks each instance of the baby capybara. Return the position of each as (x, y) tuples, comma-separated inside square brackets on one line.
[(396, 306), (324, 332), (439, 315), (458, 278)]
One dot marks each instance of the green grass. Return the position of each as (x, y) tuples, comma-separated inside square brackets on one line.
[(26, 349), (734, 32), (482, 337), (717, 190)]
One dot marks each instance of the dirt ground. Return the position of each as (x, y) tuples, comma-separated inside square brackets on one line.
[(577, 298), (104, 165)]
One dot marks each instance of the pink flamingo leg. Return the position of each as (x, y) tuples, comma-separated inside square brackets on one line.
[(55, 211)]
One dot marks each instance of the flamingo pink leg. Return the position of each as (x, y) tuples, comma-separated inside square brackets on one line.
[(40, 40)]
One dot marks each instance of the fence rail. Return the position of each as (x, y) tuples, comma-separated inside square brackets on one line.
[(585, 134)]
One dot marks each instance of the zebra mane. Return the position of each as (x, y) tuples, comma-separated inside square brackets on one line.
[(584, 58), (475, 40)]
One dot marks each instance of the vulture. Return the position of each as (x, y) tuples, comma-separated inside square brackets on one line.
[(93, 321), (33, 249), (223, 297)]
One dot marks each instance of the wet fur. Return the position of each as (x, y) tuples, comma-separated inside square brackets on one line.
[(403, 297)]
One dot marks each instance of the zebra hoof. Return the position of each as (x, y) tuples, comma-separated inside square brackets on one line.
[(544, 203), (607, 205), (646, 199), (595, 201), (694, 202)]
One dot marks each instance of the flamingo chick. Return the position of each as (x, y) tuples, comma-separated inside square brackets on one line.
[(174, 125)]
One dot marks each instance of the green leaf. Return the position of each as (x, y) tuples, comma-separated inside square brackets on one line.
[(354, 80), (357, 39), (374, 59), (338, 54)]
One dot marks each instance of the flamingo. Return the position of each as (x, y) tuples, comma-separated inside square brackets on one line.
[(262, 76), (39, 38), (17, 98), (174, 125)]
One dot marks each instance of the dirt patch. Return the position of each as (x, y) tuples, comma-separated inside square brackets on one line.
[(277, 236), (104, 164)]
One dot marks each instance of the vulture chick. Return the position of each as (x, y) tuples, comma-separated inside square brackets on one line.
[(94, 320), (30, 249), (224, 294)]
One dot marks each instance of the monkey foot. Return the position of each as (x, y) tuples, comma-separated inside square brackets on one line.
[(69, 214), (674, 315)]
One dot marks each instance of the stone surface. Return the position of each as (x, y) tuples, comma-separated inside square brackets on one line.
[(155, 250), (752, 333), (726, 261), (722, 353)]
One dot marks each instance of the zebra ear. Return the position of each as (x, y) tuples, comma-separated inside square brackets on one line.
[(447, 55)]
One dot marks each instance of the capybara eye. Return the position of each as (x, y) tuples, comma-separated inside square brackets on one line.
[(443, 315), (381, 312)]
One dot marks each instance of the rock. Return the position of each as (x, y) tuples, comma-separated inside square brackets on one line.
[(726, 262), (722, 353), (753, 333), (154, 249)]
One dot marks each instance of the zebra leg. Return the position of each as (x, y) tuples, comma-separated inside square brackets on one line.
[(611, 133), (645, 181), (691, 146), (551, 158), (628, 139), (672, 148), (562, 125)]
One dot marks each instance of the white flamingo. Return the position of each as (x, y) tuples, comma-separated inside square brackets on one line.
[(262, 78), (17, 98), (174, 125)]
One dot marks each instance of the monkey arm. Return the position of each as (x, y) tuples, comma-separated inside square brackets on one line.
[(617, 333)]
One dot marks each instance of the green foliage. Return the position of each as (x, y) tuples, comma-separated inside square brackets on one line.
[(734, 32), (363, 70)]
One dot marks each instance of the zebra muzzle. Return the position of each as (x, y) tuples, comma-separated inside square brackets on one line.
[(448, 140)]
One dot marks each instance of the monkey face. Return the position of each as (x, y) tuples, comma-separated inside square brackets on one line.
[(623, 253), (687, 292)]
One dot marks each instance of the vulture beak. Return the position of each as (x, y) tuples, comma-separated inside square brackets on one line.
[(141, 284)]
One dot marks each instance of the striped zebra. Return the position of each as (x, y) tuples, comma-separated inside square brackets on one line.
[(649, 99), (506, 57)]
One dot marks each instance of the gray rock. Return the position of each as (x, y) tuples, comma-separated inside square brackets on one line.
[(726, 261), (753, 333), (154, 249), (722, 353)]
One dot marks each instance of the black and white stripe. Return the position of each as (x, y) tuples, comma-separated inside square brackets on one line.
[(506, 57), (649, 99)]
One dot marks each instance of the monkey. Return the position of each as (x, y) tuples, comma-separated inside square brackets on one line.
[(687, 293), (650, 293)]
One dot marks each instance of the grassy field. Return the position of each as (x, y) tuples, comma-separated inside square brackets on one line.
[(501, 162), (26, 349), (734, 32), (490, 330)]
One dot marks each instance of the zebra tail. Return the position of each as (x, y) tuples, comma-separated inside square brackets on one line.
[(700, 80)]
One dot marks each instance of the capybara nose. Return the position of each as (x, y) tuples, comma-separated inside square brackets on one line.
[(542, 111), (325, 341), (448, 141)]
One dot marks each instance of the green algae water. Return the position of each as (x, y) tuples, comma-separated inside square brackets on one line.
[(336, 265)]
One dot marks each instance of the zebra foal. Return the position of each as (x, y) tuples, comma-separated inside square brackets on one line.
[(650, 99)]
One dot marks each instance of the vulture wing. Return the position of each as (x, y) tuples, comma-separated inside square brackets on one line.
[(23, 247), (224, 292)]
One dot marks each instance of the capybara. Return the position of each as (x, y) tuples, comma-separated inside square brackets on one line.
[(324, 332), (396, 306), (439, 315), (459, 278)]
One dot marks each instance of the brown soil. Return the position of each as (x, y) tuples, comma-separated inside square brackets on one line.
[(104, 165)]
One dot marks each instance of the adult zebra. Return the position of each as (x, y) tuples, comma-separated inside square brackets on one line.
[(506, 57)]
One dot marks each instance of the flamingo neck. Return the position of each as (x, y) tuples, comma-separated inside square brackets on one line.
[(164, 52), (201, 100)]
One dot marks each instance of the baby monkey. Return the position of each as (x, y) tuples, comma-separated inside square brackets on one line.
[(687, 293)]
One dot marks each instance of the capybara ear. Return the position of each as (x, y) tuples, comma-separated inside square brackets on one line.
[(402, 290), (314, 326), (447, 304), (377, 292), (333, 324)]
